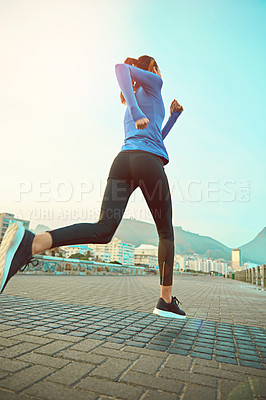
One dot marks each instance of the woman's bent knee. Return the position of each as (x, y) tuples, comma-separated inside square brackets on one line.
[(105, 231)]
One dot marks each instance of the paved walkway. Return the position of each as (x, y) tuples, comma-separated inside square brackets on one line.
[(96, 338)]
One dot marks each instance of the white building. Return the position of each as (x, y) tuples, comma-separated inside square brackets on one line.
[(146, 254), (219, 266), (235, 259), (74, 249), (201, 264), (115, 250), (180, 262)]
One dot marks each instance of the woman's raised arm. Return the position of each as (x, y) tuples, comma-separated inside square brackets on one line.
[(175, 110), (125, 82), (150, 82)]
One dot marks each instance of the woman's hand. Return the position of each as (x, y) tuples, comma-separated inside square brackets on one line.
[(175, 107), (142, 123)]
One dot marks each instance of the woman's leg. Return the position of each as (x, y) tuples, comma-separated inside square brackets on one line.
[(155, 188), (115, 199), (116, 196), (19, 245)]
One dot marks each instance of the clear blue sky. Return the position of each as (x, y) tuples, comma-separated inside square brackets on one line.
[(61, 119)]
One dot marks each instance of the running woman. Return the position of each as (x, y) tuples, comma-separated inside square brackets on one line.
[(140, 163)]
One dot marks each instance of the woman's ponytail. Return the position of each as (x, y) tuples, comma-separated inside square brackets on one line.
[(144, 62), (131, 61)]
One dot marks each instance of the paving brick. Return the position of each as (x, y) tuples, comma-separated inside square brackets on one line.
[(248, 351), (53, 348), (178, 362), (12, 365), (141, 339), (18, 349), (52, 391), (252, 364), (182, 352), (38, 315), (243, 369), (4, 327), (81, 356), (114, 340), (86, 345), (109, 388), (153, 382), (65, 337), (204, 344), (115, 353), (156, 395), (43, 359), (150, 352), (71, 373), (224, 353), (199, 393), (135, 343), (235, 390), (7, 395), (37, 333), (147, 364), (22, 379), (110, 369), (7, 342), (226, 360), (205, 356), (249, 357), (13, 332), (188, 377), (33, 339), (245, 346), (3, 373), (259, 386), (200, 349), (219, 373), (111, 345), (156, 347)]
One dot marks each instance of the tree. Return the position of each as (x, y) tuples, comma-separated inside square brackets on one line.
[(78, 256), (97, 258), (53, 252), (88, 254)]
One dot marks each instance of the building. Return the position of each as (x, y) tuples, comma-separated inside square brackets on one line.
[(219, 266), (6, 219), (235, 259), (115, 250), (74, 249), (198, 263), (146, 254), (180, 262)]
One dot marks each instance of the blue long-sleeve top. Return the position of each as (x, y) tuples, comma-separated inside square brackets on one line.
[(147, 103)]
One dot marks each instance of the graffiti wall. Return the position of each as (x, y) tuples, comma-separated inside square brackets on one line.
[(65, 266)]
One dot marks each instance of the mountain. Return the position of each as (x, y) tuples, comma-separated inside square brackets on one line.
[(255, 250), (138, 232)]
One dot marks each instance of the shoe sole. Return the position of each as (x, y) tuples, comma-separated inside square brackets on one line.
[(10, 243), (168, 314)]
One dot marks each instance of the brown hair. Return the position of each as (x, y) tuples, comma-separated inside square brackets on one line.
[(144, 62)]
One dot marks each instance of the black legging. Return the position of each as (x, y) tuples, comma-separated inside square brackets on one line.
[(129, 170)]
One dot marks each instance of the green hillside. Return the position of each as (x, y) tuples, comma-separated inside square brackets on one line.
[(138, 232)]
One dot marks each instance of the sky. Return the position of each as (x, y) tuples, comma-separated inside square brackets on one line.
[(61, 120)]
